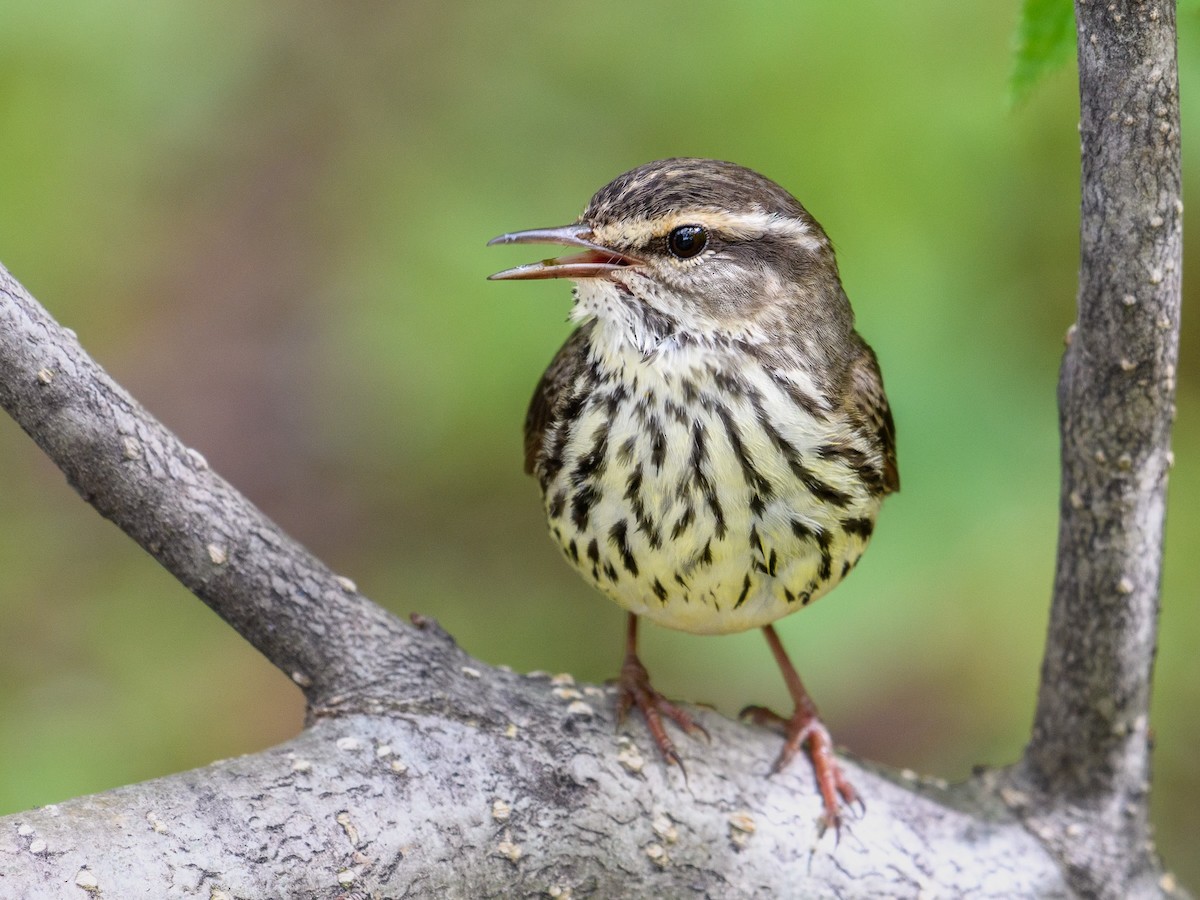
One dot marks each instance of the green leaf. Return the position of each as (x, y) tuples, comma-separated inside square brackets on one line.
[(1045, 40)]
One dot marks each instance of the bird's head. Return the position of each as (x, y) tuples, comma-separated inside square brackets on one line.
[(694, 247)]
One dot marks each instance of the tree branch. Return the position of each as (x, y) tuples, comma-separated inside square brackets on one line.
[(135, 472), (1087, 766), (428, 805), (409, 744)]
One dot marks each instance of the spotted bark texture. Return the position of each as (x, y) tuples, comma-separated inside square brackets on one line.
[(1086, 770), (413, 751)]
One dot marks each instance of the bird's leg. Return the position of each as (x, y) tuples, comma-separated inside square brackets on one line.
[(634, 690), (804, 728)]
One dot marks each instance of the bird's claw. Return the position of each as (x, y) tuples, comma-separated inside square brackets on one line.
[(803, 729), (634, 690)]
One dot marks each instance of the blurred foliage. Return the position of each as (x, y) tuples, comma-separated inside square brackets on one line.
[(1045, 40), (268, 222)]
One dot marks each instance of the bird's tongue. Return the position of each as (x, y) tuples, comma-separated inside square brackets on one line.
[(586, 257)]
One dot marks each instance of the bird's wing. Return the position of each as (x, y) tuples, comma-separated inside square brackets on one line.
[(869, 406), (552, 391)]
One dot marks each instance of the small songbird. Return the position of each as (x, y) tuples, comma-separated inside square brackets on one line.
[(713, 442)]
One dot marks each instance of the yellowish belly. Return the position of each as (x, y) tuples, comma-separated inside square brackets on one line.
[(654, 505)]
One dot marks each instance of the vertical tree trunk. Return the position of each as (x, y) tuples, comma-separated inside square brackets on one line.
[(1088, 761)]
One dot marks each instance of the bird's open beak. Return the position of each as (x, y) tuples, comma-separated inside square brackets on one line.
[(596, 261)]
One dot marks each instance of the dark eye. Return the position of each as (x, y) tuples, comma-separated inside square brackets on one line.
[(686, 241)]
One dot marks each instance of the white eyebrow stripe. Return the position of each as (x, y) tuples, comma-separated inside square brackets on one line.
[(740, 225), (757, 224)]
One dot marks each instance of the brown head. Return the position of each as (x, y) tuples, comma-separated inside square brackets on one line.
[(704, 249)]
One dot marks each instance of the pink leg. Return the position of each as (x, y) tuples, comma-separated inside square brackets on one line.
[(635, 690), (804, 728)]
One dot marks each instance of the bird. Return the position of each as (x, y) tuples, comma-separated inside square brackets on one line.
[(712, 441)]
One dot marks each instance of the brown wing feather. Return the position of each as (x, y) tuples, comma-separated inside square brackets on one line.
[(869, 405), (551, 392)]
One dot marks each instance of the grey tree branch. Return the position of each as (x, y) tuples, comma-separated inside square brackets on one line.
[(162, 494), (392, 787), (422, 772), (1087, 765)]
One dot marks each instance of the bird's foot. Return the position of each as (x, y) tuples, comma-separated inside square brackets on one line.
[(634, 689), (804, 729)]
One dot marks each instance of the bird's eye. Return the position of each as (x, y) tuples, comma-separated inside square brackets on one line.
[(686, 241)]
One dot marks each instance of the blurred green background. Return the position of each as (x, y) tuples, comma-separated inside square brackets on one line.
[(268, 222)]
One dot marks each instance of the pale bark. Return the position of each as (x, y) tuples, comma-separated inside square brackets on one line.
[(590, 811), (1087, 767)]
